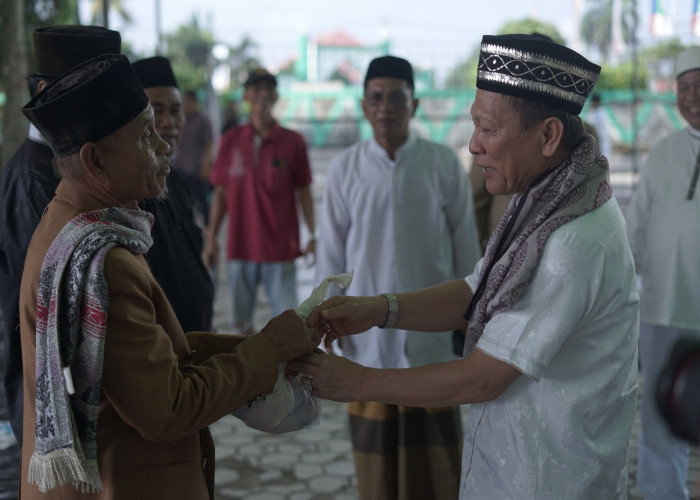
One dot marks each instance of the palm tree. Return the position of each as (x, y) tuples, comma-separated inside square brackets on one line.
[(100, 9), (242, 60), (13, 69), (597, 24)]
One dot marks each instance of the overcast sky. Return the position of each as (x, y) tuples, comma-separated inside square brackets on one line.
[(431, 32)]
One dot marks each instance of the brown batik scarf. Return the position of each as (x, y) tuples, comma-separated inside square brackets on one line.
[(576, 187)]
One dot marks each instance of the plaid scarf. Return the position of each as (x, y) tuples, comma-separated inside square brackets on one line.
[(578, 186), (71, 320)]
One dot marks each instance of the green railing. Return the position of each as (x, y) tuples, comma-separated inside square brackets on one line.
[(333, 117)]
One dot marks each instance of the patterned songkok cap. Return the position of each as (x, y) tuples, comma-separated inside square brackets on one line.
[(536, 68)]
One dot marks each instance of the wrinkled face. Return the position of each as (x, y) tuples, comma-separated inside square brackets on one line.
[(135, 159), (388, 105), (688, 97), (168, 113), (261, 96), (509, 158)]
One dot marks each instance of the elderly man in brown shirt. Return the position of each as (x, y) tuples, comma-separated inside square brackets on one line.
[(117, 397)]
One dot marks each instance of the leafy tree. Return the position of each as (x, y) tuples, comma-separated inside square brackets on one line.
[(620, 76), (189, 51), (242, 61), (39, 13), (13, 69), (530, 25), (464, 74), (667, 50), (18, 19), (660, 59), (597, 24), (97, 12)]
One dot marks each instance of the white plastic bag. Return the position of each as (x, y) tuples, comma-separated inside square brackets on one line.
[(290, 407)]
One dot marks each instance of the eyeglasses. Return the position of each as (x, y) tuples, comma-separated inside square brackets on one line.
[(396, 99)]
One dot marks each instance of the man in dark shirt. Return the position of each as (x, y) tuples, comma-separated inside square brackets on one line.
[(27, 184), (196, 152), (175, 257)]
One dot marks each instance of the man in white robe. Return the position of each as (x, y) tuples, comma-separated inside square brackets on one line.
[(398, 211), (662, 224), (550, 358)]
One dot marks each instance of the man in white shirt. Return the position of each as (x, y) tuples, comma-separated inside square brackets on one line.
[(398, 211), (662, 225), (550, 358)]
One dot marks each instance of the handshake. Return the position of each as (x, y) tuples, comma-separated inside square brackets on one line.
[(291, 333)]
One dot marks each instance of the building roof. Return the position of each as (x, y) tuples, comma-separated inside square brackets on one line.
[(337, 39)]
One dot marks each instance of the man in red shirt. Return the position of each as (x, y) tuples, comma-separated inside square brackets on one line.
[(260, 171)]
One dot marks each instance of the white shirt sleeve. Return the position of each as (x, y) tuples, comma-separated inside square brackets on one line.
[(639, 213), (333, 228), (562, 291), (461, 219)]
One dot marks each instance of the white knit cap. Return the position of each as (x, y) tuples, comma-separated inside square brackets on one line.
[(688, 60)]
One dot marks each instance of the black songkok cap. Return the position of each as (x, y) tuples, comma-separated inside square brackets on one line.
[(537, 69), (87, 103), (155, 72), (59, 48), (390, 67), (260, 75)]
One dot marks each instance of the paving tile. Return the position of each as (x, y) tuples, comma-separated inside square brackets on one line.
[(231, 494), (307, 471), (301, 496), (224, 450), (266, 496), (251, 449), (268, 476), (327, 484), (289, 447), (279, 459), (319, 457), (341, 468), (224, 476), (288, 488)]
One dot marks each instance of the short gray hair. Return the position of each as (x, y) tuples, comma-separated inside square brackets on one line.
[(69, 166), (532, 112)]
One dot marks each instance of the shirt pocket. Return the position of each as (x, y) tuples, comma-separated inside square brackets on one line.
[(277, 177)]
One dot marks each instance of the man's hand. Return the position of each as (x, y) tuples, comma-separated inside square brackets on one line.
[(333, 377), (342, 315), (309, 253), (210, 252), (290, 335)]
